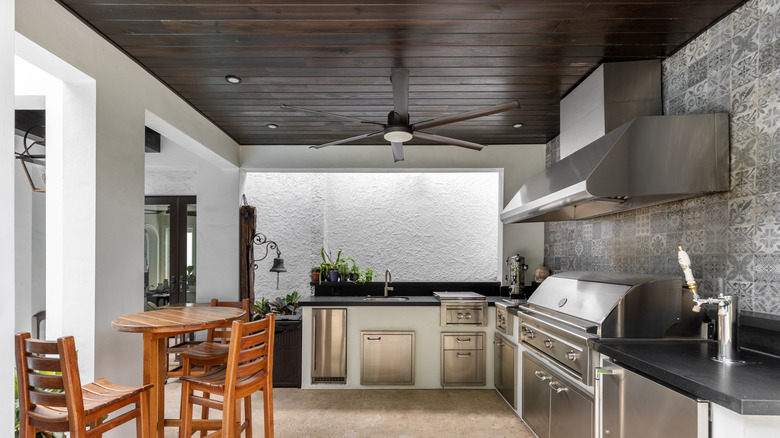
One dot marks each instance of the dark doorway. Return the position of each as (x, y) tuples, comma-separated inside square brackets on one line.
[(169, 250)]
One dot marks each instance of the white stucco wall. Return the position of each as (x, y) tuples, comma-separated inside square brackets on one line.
[(516, 163), (432, 226)]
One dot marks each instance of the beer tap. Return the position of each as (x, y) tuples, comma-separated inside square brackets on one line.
[(728, 306)]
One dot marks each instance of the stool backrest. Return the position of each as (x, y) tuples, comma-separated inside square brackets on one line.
[(251, 349), (48, 374), (222, 335)]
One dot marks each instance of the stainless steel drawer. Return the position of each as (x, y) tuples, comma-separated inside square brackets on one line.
[(468, 341)]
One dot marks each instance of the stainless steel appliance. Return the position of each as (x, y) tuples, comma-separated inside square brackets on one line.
[(387, 358), (462, 309), (631, 406), (462, 358), (329, 346), (505, 321), (515, 277), (505, 369), (569, 308)]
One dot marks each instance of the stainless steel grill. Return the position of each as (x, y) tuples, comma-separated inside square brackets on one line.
[(570, 307)]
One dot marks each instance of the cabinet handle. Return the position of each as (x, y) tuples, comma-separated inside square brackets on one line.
[(541, 376), (548, 343), (463, 354), (555, 386), (373, 339), (463, 340)]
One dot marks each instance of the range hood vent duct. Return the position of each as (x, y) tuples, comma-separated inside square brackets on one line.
[(646, 161)]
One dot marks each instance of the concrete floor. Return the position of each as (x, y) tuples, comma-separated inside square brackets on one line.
[(378, 413)]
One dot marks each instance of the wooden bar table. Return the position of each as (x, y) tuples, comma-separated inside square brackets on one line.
[(157, 326)]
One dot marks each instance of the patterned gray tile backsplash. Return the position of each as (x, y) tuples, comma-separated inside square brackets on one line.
[(732, 67)]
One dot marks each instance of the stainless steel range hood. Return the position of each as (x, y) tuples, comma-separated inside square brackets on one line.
[(646, 159)]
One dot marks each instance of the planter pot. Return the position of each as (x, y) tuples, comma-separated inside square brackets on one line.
[(315, 276), (333, 275)]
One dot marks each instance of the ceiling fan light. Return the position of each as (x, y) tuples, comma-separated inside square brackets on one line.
[(398, 134)]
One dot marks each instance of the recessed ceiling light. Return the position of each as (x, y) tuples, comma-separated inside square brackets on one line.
[(517, 125), (271, 126), (233, 79)]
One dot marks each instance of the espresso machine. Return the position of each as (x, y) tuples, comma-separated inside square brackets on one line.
[(515, 277)]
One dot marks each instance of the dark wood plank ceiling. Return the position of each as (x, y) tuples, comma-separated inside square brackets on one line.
[(336, 56)]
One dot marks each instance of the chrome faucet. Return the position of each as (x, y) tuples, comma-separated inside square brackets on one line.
[(389, 276)]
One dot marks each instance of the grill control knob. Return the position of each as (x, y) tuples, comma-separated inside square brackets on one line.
[(530, 334), (460, 316), (572, 355), (548, 343), (468, 316)]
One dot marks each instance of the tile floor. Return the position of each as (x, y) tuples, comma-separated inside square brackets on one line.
[(416, 413)]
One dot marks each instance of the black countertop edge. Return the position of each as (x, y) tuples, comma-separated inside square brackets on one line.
[(312, 301), (747, 389), (404, 288), (764, 321)]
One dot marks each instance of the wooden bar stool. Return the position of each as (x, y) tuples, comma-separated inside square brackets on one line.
[(74, 406), (211, 352), (248, 369)]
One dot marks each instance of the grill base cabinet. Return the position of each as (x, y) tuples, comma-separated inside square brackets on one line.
[(463, 359), (287, 353), (552, 407), (387, 358)]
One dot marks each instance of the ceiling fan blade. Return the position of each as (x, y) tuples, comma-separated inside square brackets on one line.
[(448, 140), (306, 110), (347, 140), (398, 151), (467, 115), (400, 79)]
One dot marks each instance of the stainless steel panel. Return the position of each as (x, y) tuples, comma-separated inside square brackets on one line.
[(571, 411), (504, 320), (464, 313), (552, 342), (463, 366), (536, 397), (633, 406), (646, 161), (387, 358), (505, 369), (467, 341), (329, 346)]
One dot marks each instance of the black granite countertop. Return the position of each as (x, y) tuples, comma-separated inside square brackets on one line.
[(362, 301), (752, 388)]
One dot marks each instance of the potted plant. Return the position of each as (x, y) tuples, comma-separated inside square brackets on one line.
[(315, 273), (281, 306), (354, 272), (343, 270), (329, 266)]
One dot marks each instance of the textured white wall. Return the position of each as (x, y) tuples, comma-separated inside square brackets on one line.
[(421, 226), (170, 182)]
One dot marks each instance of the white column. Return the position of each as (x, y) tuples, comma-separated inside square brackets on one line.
[(7, 239)]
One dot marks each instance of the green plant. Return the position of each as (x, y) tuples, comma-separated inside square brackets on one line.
[(343, 267), (327, 264), (191, 275), (364, 276), (369, 275), (287, 305)]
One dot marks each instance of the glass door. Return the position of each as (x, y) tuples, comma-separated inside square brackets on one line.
[(169, 250)]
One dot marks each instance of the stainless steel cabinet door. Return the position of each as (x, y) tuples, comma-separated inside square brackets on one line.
[(536, 397), (387, 358), (505, 369), (571, 413), (636, 407)]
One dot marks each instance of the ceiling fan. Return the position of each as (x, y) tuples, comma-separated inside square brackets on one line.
[(398, 130)]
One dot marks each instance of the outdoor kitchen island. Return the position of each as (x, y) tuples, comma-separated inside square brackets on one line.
[(412, 316)]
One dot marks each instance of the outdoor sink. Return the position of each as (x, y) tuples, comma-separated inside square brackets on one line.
[(385, 298)]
